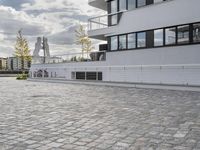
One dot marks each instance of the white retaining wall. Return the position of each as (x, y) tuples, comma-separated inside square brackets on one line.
[(168, 65)]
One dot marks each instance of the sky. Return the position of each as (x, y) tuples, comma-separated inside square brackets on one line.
[(54, 19)]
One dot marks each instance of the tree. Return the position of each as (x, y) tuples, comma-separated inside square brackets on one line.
[(22, 50), (83, 40), (88, 46)]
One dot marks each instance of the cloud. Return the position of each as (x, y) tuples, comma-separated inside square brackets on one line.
[(55, 19)]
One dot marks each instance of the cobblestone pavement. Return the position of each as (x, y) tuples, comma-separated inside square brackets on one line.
[(50, 116)]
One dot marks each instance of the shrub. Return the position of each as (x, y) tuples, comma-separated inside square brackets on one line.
[(22, 76)]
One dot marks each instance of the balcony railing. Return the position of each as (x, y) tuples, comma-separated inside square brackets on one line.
[(104, 21), (98, 22), (71, 57)]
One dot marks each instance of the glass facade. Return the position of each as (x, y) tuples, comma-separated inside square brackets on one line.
[(122, 42), (167, 36), (141, 39), (158, 37), (113, 43), (131, 4), (114, 6), (131, 41), (196, 32), (114, 19), (157, 1), (170, 36), (183, 34), (141, 3), (122, 5)]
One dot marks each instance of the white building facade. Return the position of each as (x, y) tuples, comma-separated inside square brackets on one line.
[(14, 63), (3, 63), (148, 41)]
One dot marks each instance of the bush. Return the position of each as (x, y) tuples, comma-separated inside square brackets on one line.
[(22, 76)]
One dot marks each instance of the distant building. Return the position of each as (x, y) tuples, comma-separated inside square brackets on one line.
[(14, 63), (3, 63)]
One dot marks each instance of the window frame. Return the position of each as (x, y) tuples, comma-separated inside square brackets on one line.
[(135, 40), (171, 44), (145, 39), (125, 41), (179, 43), (191, 42), (192, 35), (116, 43), (163, 40)]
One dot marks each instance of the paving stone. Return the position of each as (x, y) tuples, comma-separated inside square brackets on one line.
[(48, 116)]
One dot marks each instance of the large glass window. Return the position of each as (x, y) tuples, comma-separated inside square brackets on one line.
[(113, 43), (131, 4), (141, 3), (113, 6), (158, 37), (141, 39), (131, 41), (170, 36), (122, 5), (196, 33), (113, 19), (122, 42), (183, 34)]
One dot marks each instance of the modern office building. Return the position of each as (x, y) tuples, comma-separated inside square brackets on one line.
[(148, 41)]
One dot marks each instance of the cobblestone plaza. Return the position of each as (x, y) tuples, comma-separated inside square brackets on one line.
[(51, 116)]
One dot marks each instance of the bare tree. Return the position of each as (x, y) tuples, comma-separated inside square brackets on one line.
[(83, 40)]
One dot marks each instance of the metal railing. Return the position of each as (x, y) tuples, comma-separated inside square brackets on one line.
[(71, 57), (98, 22), (104, 21)]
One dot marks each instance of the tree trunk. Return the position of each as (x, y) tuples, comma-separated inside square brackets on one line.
[(22, 60), (82, 52)]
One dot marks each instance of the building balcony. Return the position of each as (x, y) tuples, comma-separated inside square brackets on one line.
[(99, 27)]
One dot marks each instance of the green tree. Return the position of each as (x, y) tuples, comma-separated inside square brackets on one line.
[(22, 50)]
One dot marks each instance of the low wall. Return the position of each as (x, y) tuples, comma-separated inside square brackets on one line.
[(150, 74)]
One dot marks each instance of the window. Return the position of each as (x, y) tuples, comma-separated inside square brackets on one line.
[(114, 6), (114, 43), (141, 3), (122, 5), (196, 33), (131, 41), (158, 37), (87, 75), (114, 20), (170, 36), (157, 1), (141, 39), (183, 34), (122, 42), (131, 4)]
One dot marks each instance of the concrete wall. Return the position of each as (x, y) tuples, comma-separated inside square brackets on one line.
[(168, 65), (189, 54)]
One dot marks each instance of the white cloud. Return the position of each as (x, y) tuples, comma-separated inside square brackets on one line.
[(55, 19)]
